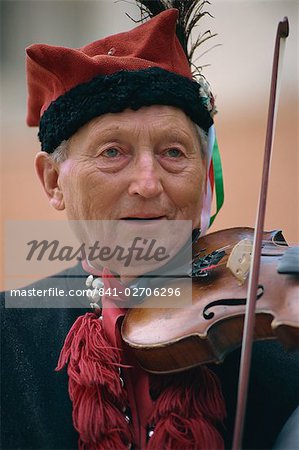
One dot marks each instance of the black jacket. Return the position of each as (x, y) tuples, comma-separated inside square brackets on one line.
[(36, 411)]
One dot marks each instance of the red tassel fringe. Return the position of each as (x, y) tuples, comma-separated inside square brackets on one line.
[(94, 386), (187, 411), (188, 406)]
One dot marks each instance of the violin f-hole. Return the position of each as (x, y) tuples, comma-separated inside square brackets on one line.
[(208, 315)]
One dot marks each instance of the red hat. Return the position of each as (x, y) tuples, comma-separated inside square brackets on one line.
[(142, 67)]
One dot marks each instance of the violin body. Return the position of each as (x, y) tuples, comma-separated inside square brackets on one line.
[(175, 339)]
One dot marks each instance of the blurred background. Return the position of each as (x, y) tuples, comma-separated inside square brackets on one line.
[(237, 63)]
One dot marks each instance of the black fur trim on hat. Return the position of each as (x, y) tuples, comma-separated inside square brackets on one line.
[(115, 93)]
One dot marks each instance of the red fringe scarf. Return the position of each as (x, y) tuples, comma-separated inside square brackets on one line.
[(188, 406), (95, 388)]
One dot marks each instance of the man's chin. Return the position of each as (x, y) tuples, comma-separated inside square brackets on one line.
[(135, 270)]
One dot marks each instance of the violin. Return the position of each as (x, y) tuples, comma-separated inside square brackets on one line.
[(173, 339)]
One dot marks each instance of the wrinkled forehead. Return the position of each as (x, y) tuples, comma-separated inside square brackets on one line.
[(158, 121)]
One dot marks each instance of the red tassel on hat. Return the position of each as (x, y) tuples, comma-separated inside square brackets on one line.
[(94, 386), (187, 411)]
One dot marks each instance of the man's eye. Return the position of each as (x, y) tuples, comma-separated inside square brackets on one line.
[(174, 153), (111, 152)]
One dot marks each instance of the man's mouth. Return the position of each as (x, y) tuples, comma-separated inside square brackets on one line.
[(144, 217)]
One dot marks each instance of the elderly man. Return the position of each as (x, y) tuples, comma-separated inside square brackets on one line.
[(123, 129)]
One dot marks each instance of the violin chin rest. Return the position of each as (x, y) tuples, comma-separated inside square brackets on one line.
[(289, 263)]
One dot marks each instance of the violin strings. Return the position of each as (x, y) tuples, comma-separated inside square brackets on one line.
[(264, 241), (246, 245)]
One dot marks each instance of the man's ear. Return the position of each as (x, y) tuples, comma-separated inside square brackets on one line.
[(48, 171)]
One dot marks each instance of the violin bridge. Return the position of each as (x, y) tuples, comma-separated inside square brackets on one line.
[(239, 260)]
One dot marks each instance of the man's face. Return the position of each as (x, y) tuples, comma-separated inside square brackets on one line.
[(143, 164)]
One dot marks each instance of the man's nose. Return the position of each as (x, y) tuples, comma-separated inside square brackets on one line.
[(146, 177)]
